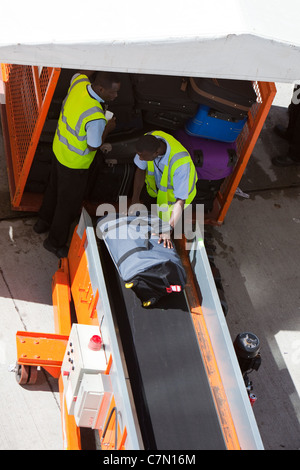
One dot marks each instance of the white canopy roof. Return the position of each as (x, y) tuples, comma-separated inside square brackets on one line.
[(238, 39)]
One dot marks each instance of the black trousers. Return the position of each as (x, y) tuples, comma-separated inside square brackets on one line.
[(62, 201)]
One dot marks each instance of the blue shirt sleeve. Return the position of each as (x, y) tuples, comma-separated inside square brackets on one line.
[(142, 164), (94, 131), (181, 181)]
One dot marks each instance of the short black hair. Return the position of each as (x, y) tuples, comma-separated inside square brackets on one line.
[(147, 142), (106, 79)]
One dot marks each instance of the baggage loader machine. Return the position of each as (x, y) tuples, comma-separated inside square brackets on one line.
[(132, 378)]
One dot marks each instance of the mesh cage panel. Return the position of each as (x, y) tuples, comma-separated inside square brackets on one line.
[(245, 143), (28, 93)]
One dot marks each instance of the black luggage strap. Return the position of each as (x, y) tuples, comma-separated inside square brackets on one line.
[(131, 252), (215, 98), (147, 243), (122, 222)]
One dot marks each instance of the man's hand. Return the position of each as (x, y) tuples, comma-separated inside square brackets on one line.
[(105, 148), (164, 238)]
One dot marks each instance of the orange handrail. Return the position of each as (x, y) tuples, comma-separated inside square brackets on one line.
[(208, 355), (28, 94), (266, 92)]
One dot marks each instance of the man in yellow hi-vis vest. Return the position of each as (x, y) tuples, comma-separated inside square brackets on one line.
[(81, 130), (170, 176)]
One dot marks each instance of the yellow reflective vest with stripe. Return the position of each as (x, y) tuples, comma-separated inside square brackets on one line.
[(70, 140), (165, 193)]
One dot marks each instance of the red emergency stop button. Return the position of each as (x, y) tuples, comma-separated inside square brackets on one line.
[(95, 343)]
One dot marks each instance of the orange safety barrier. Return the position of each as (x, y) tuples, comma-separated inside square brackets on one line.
[(85, 300), (71, 432), (28, 94), (61, 298), (29, 91), (246, 141), (47, 350), (208, 356), (41, 349), (111, 437)]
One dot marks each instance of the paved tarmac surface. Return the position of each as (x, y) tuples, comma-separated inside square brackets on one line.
[(257, 252)]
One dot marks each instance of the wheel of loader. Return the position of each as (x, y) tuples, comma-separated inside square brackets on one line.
[(26, 375)]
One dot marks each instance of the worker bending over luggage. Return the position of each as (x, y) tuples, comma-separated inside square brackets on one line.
[(170, 176), (82, 128)]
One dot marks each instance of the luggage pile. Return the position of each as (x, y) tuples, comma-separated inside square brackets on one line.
[(210, 135), (205, 115)]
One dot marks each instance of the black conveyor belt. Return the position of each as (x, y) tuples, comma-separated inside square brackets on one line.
[(172, 395)]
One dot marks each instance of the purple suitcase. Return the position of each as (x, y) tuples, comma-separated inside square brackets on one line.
[(213, 160)]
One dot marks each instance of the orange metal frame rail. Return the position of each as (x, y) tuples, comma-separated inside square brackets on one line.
[(28, 96), (212, 371), (246, 141), (47, 350)]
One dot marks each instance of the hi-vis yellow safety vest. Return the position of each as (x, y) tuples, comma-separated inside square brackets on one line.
[(70, 140), (165, 193)]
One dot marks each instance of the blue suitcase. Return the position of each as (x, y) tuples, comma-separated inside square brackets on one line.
[(214, 125)]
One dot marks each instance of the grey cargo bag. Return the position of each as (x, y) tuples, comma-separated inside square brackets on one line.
[(147, 267)]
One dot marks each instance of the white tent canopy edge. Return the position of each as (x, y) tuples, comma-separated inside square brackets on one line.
[(234, 39)]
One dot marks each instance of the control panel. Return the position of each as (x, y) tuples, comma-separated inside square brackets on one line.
[(84, 355), (93, 402)]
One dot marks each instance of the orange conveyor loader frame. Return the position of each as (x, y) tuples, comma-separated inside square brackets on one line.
[(72, 280)]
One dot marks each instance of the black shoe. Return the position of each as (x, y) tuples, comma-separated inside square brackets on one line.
[(284, 161), (61, 252), (282, 132), (41, 226)]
